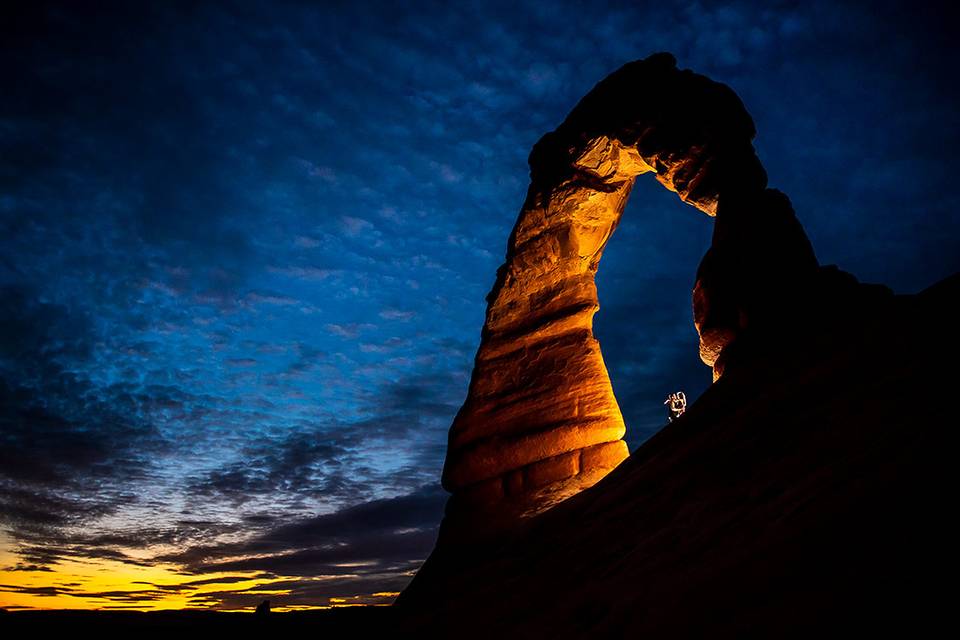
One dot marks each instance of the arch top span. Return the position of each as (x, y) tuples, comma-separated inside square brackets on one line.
[(692, 132), (540, 421)]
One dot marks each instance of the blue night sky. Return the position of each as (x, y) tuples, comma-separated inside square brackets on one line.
[(245, 250)]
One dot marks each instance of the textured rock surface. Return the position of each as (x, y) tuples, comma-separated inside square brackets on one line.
[(805, 494), (540, 421)]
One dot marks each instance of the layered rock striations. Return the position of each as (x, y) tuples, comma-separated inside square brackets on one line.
[(540, 421)]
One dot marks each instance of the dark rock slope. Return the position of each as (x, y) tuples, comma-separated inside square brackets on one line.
[(809, 491)]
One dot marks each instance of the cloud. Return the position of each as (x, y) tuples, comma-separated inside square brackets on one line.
[(391, 531), (306, 273), (355, 226), (65, 439), (387, 346), (257, 298), (350, 330), (241, 362), (28, 567), (306, 242), (397, 314), (302, 464)]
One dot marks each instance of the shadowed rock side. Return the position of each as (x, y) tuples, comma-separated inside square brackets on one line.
[(540, 421), (809, 484), (807, 493)]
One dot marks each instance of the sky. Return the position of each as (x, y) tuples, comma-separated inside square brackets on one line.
[(245, 249)]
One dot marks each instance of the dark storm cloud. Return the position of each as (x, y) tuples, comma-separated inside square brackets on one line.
[(67, 448), (113, 146), (361, 550), (36, 591), (329, 460), (28, 567), (291, 465), (131, 596), (44, 545), (42, 510), (155, 592), (363, 554), (361, 590)]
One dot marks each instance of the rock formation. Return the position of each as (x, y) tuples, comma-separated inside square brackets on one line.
[(540, 421), (804, 494), (800, 496)]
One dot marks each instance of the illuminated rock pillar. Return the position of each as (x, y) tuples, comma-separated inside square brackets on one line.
[(540, 421)]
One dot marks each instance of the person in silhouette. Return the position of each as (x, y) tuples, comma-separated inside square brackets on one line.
[(676, 404)]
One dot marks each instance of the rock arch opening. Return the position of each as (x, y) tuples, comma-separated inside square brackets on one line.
[(540, 421), (649, 344)]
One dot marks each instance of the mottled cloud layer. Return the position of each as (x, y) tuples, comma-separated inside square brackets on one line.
[(245, 252)]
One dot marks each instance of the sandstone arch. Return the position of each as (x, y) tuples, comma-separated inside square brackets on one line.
[(540, 421)]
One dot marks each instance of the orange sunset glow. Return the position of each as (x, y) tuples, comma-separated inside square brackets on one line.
[(107, 584)]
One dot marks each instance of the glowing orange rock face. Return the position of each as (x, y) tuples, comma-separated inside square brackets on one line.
[(540, 421)]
